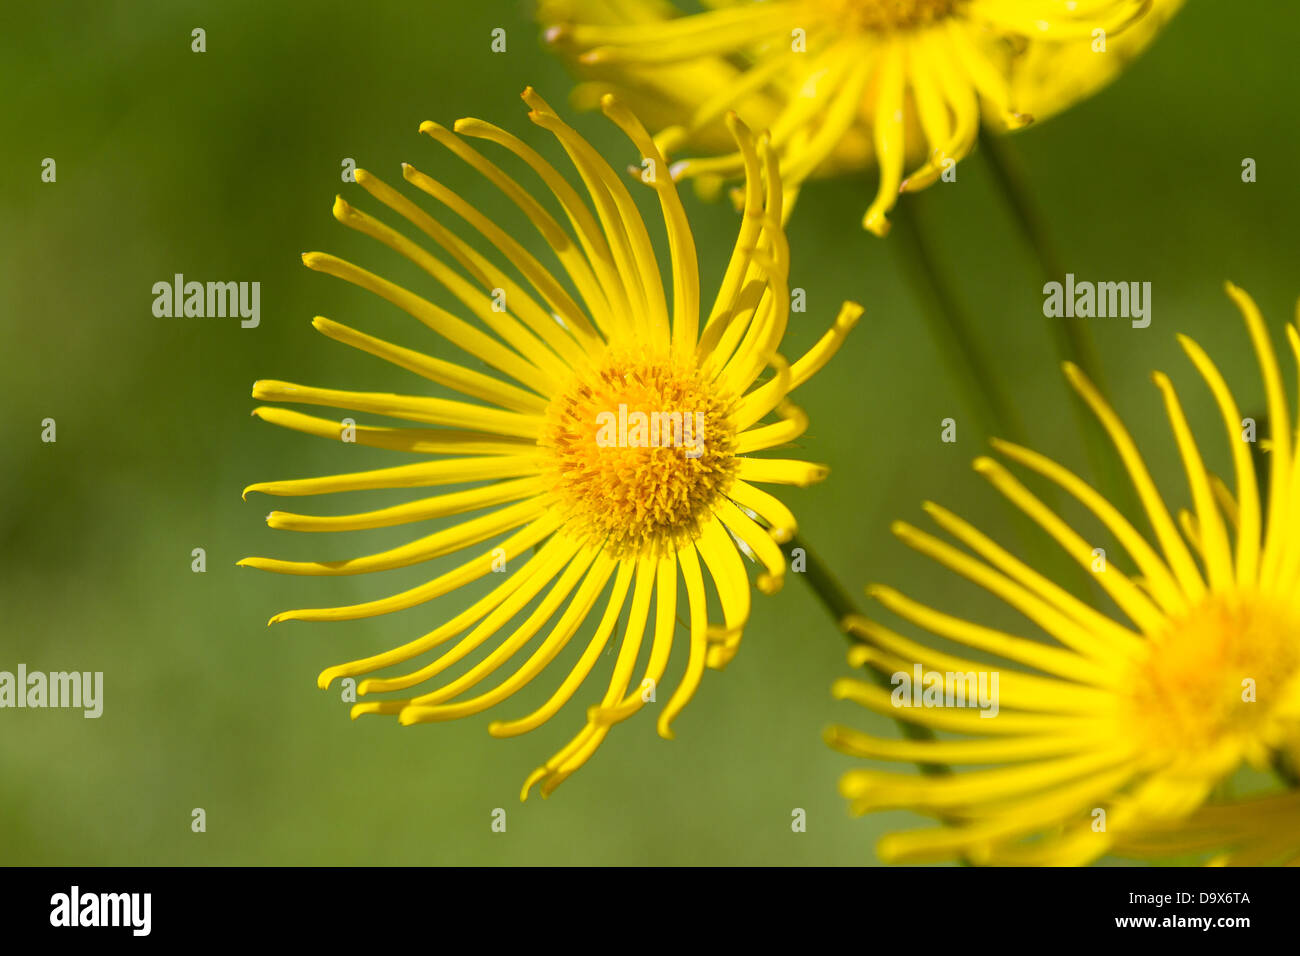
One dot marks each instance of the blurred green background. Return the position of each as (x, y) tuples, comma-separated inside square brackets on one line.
[(223, 165)]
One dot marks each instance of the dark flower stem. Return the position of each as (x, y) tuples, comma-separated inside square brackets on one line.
[(1072, 337), (954, 334), (951, 328), (841, 608)]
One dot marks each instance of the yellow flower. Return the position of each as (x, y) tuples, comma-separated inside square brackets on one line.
[(1258, 831), (1135, 713), (844, 84), (610, 433)]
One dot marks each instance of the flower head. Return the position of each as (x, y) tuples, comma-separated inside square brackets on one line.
[(604, 437), (844, 84), (1132, 715)]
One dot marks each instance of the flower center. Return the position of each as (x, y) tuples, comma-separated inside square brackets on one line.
[(640, 449), (1217, 677), (885, 16)]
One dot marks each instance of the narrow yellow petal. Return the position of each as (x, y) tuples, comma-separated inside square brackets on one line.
[(697, 607), (1279, 505), (437, 506), (1248, 520), (781, 521), (435, 545), (459, 333), (660, 648), (793, 424), (1125, 593), (486, 303), (1125, 642), (887, 127), (569, 254), (423, 474), (471, 383), (598, 574), (434, 411), (422, 441), (963, 720), (471, 570), (613, 319), (1051, 620), (1176, 553), (1214, 548), (781, 471), (760, 541), (571, 683), (451, 628), (1051, 660), (681, 244)]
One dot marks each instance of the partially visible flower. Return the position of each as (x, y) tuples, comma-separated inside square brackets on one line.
[(1260, 831), (1047, 78), (844, 84), (1131, 716), (604, 430)]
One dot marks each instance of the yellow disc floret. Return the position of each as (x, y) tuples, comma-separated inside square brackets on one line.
[(1216, 677), (884, 16), (640, 450)]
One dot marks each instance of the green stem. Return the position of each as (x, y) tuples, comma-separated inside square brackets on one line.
[(1286, 772), (1072, 337), (841, 608), (951, 328), (953, 333)]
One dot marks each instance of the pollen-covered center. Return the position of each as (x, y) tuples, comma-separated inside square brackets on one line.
[(1216, 677), (885, 16), (638, 451)]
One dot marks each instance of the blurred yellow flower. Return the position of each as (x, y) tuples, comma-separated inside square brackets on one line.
[(612, 436), (1259, 831), (1131, 718), (844, 84)]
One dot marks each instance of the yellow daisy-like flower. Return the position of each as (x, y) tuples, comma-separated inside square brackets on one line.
[(1260, 831), (609, 440), (843, 84), (1134, 714)]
